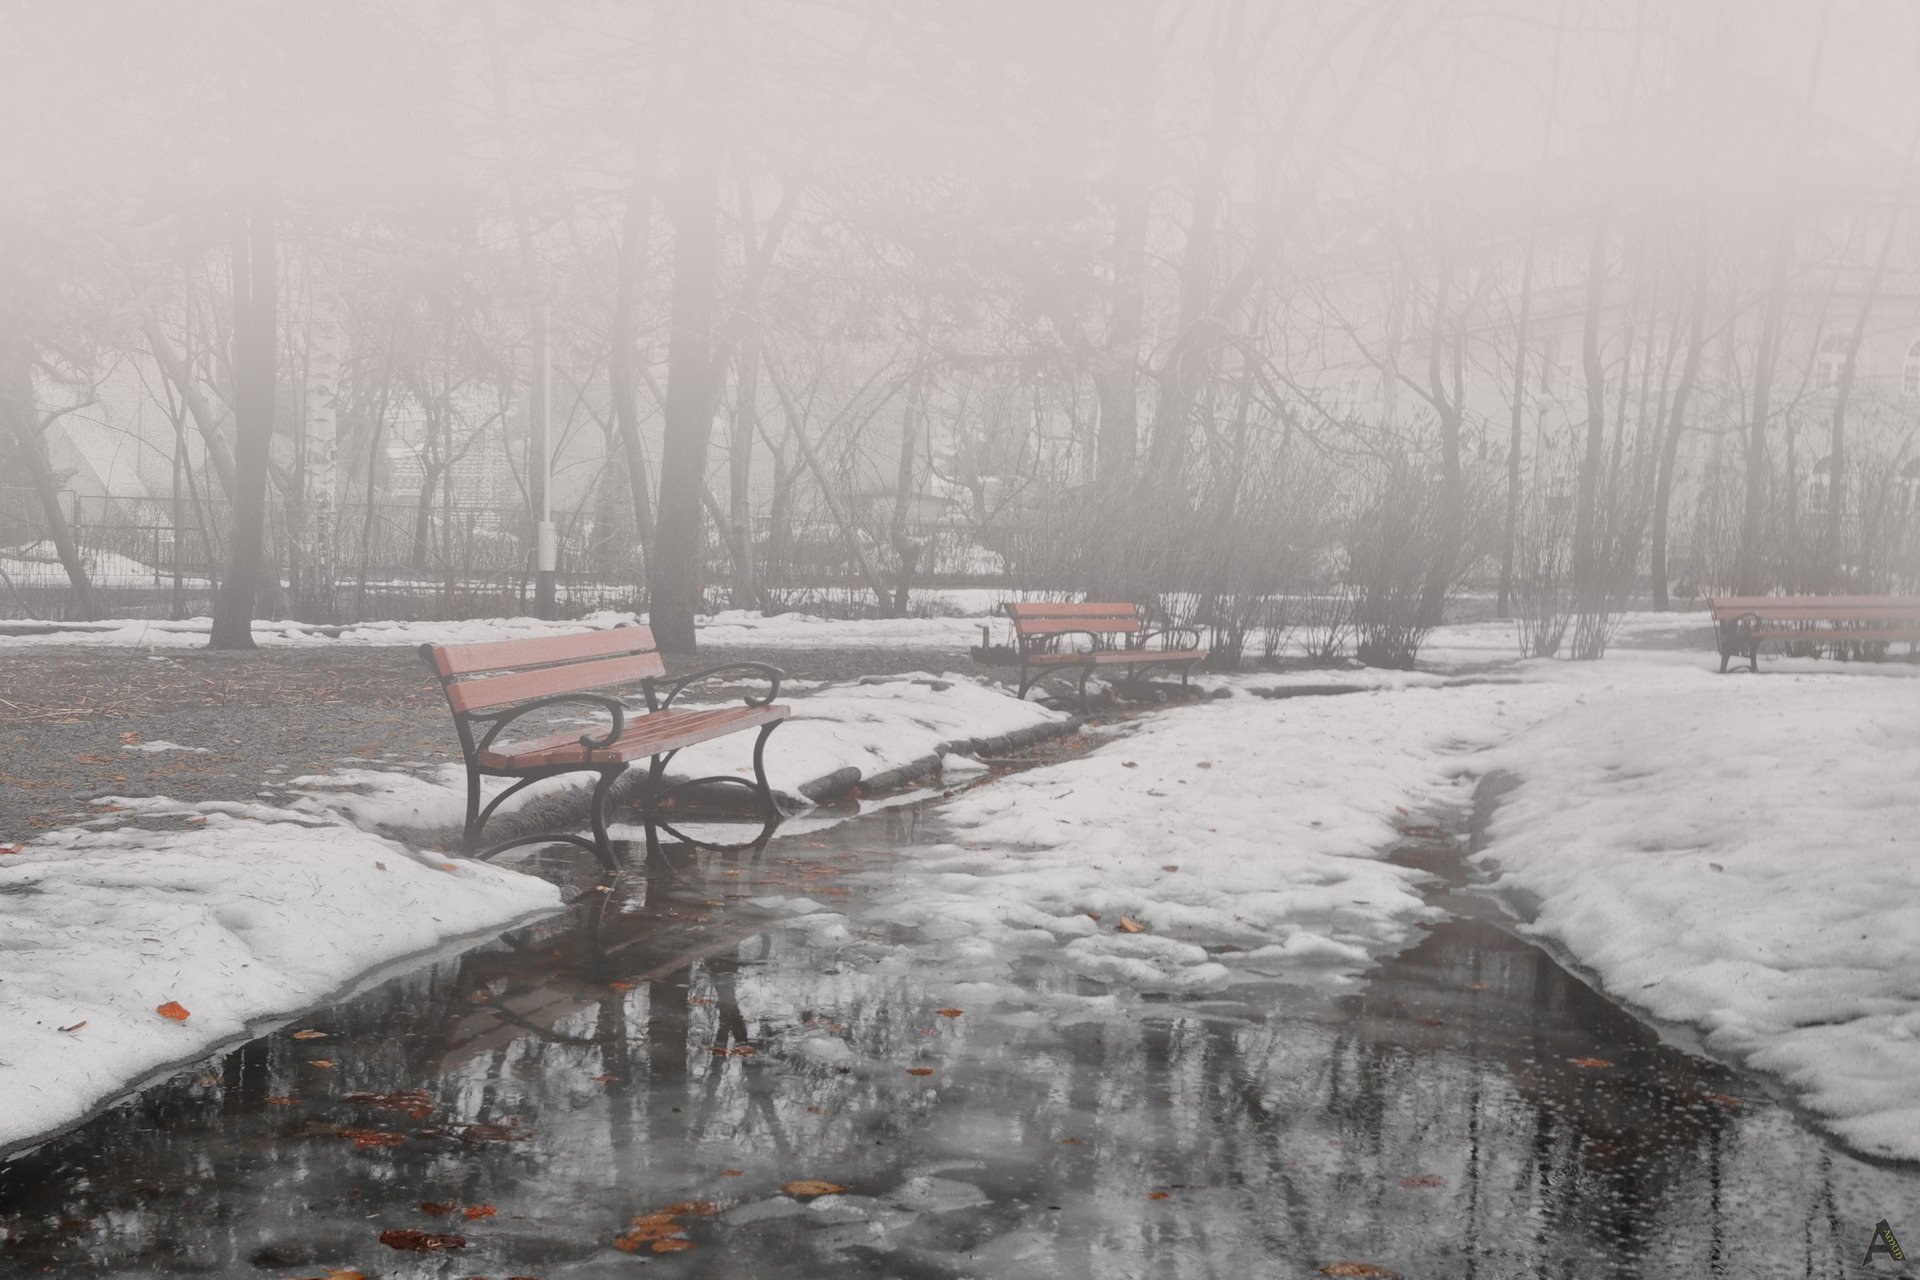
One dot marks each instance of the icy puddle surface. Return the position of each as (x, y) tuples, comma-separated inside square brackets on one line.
[(634, 1085)]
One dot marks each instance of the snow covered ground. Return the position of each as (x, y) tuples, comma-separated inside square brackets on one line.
[(1230, 838), (1737, 854), (152, 633), (127, 951)]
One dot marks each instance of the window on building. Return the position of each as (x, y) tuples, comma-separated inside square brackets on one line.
[(1829, 363), (1820, 486)]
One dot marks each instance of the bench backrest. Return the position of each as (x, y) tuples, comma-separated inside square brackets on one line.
[(1818, 608), (1042, 618), (501, 673)]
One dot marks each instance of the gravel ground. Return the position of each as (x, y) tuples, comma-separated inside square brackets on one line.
[(66, 713)]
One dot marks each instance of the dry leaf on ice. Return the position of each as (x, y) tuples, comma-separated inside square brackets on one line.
[(812, 1187)]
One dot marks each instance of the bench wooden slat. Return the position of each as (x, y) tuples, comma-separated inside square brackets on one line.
[(1870, 635), (651, 734), (1092, 609), (1115, 657), (1065, 626), (541, 651), (488, 692), (1831, 608)]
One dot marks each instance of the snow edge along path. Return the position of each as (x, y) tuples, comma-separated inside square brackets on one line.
[(1734, 855), (243, 922), (1246, 837)]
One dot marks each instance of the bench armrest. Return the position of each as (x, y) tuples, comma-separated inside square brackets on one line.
[(506, 715), (1167, 634), (771, 673)]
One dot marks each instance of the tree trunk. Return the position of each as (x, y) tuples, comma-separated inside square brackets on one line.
[(22, 414), (326, 337), (1830, 558), (1676, 425), (1587, 559), (178, 371), (906, 549), (675, 576), (746, 579), (1750, 574), (255, 287)]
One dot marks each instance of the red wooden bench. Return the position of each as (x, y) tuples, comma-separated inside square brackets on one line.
[(490, 685), (1039, 627), (1852, 626)]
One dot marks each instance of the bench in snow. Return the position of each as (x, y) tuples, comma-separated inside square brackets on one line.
[(1116, 636), (1849, 626), (491, 685)]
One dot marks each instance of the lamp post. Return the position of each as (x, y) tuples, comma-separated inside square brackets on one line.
[(540, 463)]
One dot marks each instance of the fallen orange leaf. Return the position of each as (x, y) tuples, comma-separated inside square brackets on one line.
[(76, 1026), (919, 1071), (812, 1187), (621, 986), (1156, 1195), (1358, 1269), (948, 1013), (731, 1173), (1131, 926), (283, 1102), (309, 1034), (672, 1244), (173, 1011), (420, 1241), (1590, 1062), (325, 1064), (374, 1137), (436, 1209), (691, 1209), (474, 1211)]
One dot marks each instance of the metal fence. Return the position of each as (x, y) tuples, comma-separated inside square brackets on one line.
[(147, 558)]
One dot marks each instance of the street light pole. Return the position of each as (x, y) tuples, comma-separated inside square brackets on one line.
[(540, 462)]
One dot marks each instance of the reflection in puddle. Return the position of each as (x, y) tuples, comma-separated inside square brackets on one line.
[(674, 1047)]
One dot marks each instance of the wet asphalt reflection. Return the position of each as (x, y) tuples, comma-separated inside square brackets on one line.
[(634, 1083)]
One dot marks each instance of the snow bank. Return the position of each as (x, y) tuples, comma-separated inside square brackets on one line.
[(1245, 836), (150, 633), (733, 627), (873, 727), (1735, 853), (802, 630), (248, 918)]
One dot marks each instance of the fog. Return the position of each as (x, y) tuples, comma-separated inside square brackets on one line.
[(324, 310)]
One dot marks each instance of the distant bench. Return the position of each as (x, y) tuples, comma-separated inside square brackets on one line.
[(1039, 627), (490, 685), (1853, 626)]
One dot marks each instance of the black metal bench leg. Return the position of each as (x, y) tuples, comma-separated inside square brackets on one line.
[(470, 832), (770, 807), (597, 813)]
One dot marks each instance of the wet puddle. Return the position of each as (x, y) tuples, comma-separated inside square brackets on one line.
[(634, 1084)]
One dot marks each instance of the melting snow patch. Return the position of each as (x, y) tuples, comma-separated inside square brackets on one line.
[(1736, 854), (108, 938)]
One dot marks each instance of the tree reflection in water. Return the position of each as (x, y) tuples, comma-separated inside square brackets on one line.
[(1437, 1119)]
